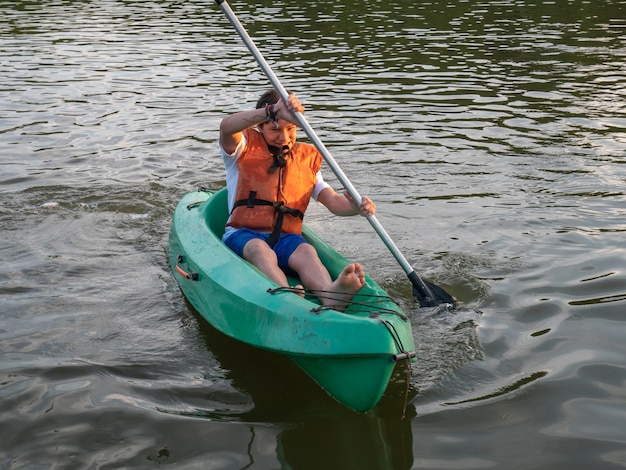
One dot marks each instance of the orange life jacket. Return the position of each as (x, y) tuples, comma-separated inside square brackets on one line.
[(263, 199)]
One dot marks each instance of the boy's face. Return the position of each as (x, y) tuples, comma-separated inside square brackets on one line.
[(280, 133)]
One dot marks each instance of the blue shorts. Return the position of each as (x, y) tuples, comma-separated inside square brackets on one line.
[(284, 248)]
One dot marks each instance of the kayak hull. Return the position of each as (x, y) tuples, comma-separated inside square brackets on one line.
[(350, 354)]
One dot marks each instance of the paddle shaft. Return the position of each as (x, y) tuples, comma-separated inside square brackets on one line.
[(417, 282)]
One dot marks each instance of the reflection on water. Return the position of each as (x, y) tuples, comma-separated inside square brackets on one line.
[(490, 134)]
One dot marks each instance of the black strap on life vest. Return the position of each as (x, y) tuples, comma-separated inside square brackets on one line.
[(279, 206)]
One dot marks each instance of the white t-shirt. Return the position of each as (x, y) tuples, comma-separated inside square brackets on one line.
[(232, 177)]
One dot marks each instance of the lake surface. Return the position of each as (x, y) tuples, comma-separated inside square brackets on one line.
[(490, 133)]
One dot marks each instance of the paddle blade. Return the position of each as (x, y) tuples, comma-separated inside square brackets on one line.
[(429, 294)]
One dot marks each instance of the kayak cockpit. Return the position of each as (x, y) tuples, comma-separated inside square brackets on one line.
[(369, 301)]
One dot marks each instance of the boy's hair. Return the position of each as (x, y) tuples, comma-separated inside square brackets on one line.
[(269, 97)]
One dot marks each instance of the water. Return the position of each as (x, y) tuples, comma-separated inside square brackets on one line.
[(491, 134)]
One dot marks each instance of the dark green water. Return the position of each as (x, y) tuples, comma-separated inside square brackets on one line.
[(492, 136)]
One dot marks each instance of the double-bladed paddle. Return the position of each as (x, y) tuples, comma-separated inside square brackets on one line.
[(426, 293)]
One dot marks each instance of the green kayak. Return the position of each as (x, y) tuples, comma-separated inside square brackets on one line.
[(350, 354)]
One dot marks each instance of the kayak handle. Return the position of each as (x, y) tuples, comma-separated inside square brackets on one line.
[(404, 355), (182, 272)]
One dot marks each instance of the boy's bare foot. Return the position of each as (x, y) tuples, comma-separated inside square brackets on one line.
[(348, 283), (299, 290)]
